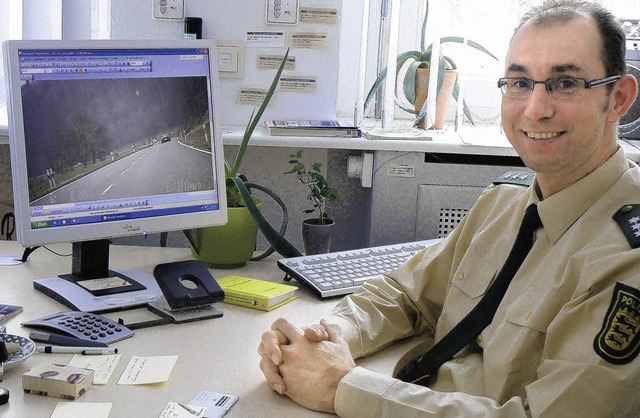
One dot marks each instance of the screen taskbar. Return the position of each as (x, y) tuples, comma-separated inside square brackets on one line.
[(122, 216)]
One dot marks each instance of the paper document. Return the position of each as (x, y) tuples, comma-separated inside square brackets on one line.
[(82, 409), (147, 370), (216, 404), (102, 366), (180, 410)]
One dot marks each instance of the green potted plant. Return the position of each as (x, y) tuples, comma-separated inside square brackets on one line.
[(232, 245), (316, 231), (416, 78)]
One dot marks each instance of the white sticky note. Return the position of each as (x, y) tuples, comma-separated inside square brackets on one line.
[(147, 370), (82, 409), (102, 366)]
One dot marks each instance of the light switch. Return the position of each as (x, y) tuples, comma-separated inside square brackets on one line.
[(230, 59), (281, 12), (168, 9)]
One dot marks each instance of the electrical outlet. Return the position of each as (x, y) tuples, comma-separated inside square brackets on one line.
[(168, 9), (280, 12)]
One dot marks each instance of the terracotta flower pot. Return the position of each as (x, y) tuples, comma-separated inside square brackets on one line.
[(442, 101)]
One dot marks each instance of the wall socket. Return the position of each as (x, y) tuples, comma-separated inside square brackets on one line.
[(279, 12), (168, 9)]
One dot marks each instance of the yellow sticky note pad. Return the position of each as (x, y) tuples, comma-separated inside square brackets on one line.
[(148, 370)]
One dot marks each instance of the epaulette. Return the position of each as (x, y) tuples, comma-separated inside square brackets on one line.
[(522, 178), (628, 219)]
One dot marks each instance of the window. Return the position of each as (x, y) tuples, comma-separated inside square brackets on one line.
[(490, 25), (27, 19)]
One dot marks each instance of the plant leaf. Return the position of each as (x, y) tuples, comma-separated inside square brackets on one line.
[(255, 116), (277, 241)]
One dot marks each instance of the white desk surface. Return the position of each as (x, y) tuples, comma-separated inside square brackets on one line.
[(217, 355)]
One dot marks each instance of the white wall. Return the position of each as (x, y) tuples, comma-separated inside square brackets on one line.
[(231, 19)]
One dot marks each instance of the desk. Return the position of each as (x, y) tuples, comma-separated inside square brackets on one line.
[(218, 355)]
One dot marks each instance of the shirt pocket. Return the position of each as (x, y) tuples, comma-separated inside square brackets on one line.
[(534, 310), (474, 277), (469, 283)]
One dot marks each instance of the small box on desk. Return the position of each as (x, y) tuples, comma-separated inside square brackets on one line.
[(57, 380)]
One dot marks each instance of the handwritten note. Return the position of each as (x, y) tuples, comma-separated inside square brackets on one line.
[(180, 410), (102, 366), (147, 370), (81, 409)]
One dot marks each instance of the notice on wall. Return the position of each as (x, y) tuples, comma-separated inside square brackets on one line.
[(304, 84), (251, 96), (401, 170), (272, 62), (264, 40), (318, 15), (313, 40)]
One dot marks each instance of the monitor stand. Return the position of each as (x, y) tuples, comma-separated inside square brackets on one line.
[(10, 259), (93, 287), (90, 270)]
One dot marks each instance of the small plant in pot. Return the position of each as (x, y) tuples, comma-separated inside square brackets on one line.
[(316, 231)]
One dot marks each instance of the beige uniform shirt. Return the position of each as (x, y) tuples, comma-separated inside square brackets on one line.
[(576, 289)]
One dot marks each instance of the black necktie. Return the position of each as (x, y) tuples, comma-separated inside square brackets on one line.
[(418, 370)]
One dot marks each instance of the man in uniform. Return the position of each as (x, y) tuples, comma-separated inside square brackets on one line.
[(565, 337)]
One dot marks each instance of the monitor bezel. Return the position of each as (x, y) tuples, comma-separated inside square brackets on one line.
[(113, 229)]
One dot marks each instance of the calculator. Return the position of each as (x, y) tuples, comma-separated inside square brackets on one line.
[(82, 325)]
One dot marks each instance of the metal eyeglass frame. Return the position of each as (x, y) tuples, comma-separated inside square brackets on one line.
[(502, 82)]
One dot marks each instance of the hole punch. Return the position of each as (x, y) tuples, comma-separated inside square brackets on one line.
[(190, 292)]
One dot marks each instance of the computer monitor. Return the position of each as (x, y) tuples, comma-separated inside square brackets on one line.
[(110, 139)]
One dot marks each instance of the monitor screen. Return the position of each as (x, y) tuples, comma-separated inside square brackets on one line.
[(113, 138)]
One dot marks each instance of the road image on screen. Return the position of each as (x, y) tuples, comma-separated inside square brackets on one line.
[(111, 139)]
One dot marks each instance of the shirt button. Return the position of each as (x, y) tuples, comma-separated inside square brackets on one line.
[(528, 315), (626, 209), (458, 360), (461, 276)]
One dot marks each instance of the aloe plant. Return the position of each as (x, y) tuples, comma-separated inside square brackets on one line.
[(239, 187), (422, 59), (234, 198)]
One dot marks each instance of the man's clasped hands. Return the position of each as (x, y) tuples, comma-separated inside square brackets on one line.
[(306, 364)]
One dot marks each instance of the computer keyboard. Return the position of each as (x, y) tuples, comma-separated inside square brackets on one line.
[(342, 272)]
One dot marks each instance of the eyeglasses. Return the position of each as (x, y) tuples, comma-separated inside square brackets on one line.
[(560, 87)]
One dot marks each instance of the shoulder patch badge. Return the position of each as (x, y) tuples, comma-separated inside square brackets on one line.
[(628, 219), (522, 178), (618, 341)]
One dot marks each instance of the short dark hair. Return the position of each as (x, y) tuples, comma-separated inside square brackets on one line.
[(613, 47)]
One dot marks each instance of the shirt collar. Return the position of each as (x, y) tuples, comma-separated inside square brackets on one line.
[(560, 211)]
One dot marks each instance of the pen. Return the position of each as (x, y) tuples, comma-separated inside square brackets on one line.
[(55, 339), (189, 409), (75, 350)]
